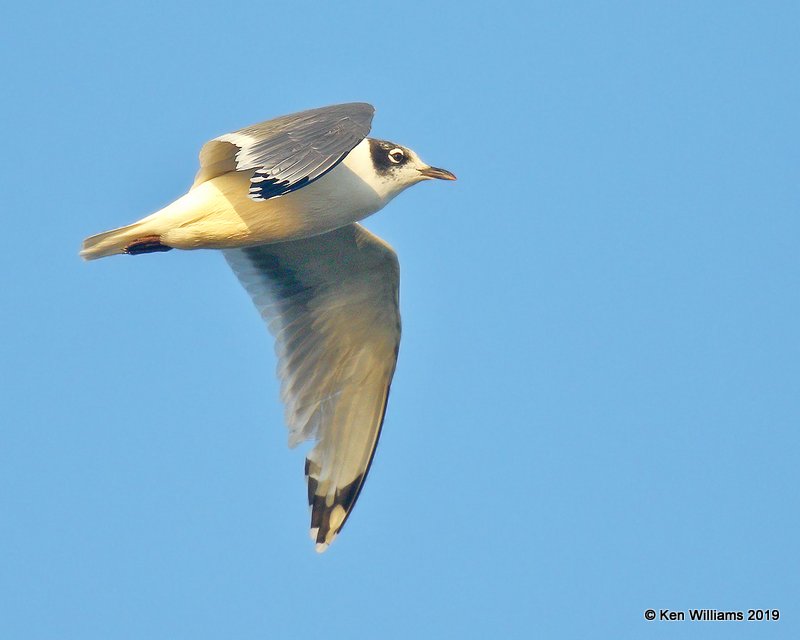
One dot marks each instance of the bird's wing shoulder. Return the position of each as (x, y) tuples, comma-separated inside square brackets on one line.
[(331, 302), (289, 152)]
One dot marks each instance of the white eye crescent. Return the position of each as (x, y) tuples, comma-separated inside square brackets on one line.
[(396, 155)]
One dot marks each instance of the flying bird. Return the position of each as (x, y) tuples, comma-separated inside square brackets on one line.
[(282, 200)]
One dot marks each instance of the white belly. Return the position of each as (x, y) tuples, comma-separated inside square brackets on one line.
[(218, 214)]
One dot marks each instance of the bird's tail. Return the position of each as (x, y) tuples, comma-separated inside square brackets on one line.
[(116, 241)]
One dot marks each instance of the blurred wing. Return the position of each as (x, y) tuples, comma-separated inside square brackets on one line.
[(289, 152), (331, 302)]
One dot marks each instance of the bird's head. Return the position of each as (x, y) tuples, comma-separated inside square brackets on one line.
[(398, 167)]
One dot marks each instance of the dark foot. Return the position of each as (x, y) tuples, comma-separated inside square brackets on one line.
[(148, 244)]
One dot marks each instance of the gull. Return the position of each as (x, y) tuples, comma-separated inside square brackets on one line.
[(282, 199)]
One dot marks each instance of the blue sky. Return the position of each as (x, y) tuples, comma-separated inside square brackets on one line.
[(595, 410)]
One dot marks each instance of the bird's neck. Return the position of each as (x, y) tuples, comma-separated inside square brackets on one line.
[(359, 161)]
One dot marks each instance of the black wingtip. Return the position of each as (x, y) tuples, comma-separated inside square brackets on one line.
[(263, 186), (328, 519)]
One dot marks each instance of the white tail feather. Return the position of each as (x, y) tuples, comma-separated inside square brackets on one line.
[(112, 242)]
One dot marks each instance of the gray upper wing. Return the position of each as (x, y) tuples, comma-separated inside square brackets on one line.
[(331, 302), (289, 152)]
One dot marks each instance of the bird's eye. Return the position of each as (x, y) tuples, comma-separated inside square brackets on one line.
[(397, 156)]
